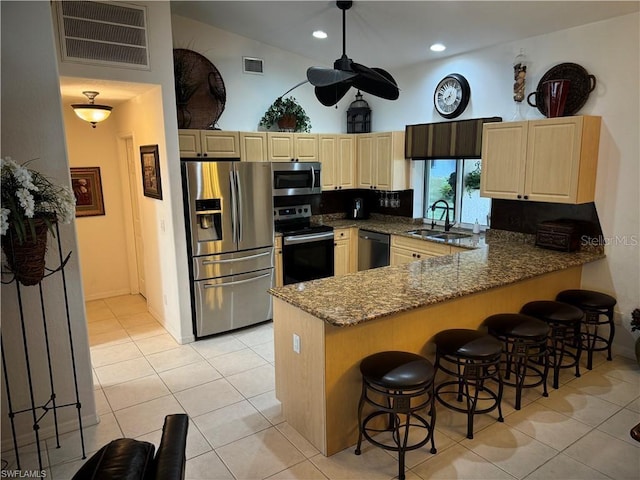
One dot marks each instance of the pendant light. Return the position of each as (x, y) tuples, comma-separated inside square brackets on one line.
[(91, 112)]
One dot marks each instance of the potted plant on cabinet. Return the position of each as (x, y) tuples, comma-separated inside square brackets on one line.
[(288, 114), (31, 206)]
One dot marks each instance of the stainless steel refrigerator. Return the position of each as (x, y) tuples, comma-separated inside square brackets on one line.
[(229, 218)]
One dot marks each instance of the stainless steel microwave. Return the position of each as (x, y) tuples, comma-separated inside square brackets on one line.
[(296, 178)]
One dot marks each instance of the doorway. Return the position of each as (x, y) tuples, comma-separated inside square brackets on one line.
[(133, 223)]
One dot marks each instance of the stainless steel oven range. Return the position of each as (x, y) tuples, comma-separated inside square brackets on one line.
[(229, 219), (307, 248)]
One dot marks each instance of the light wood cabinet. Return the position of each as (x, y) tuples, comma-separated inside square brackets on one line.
[(345, 250), (292, 147), (551, 160), (208, 143), (381, 161), (337, 153), (406, 250), (279, 280), (253, 146)]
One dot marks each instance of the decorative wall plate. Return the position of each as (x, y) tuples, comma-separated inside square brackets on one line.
[(200, 92), (582, 84)]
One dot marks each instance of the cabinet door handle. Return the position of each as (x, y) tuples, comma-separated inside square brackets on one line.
[(413, 255), (526, 197), (335, 244), (204, 154), (519, 196), (198, 154), (418, 255)]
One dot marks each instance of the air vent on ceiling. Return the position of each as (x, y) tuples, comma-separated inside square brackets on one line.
[(253, 65), (103, 33)]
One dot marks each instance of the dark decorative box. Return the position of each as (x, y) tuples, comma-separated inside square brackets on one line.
[(563, 235)]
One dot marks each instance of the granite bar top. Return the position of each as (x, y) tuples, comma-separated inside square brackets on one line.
[(359, 297)]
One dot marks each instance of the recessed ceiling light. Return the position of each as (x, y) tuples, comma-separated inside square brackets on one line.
[(437, 47), (319, 34)]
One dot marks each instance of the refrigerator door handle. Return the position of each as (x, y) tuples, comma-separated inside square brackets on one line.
[(231, 260), (213, 285), (239, 206), (234, 219)]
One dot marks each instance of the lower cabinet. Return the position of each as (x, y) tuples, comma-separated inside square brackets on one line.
[(345, 254), (279, 281), (406, 250)]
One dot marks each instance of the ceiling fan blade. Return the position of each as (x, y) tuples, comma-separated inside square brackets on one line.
[(375, 81), (331, 94), (323, 77)]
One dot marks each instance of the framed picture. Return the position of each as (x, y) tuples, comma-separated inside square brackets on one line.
[(87, 188), (151, 182)]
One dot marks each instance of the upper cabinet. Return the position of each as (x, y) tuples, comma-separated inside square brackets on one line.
[(292, 147), (381, 161), (456, 139), (253, 146), (549, 160), (209, 143), (337, 153)]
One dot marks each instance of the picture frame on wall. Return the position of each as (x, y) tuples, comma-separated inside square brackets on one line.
[(86, 183), (151, 180)]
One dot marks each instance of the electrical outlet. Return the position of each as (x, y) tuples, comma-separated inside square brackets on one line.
[(296, 343)]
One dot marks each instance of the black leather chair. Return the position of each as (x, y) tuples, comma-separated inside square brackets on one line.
[(129, 459)]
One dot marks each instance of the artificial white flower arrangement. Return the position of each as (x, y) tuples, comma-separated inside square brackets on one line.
[(27, 194)]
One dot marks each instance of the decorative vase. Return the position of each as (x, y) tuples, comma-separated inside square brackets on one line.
[(287, 123), (26, 260)]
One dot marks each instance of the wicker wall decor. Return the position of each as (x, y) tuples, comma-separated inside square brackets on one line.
[(200, 92)]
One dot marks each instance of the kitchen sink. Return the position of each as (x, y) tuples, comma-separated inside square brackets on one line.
[(430, 234)]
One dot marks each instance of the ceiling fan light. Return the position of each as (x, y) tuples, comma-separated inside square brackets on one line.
[(320, 34), (437, 47), (91, 112)]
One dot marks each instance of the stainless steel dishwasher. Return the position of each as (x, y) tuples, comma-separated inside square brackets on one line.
[(373, 250)]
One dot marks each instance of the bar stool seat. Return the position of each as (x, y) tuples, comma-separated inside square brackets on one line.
[(524, 340), (472, 358), (598, 313), (397, 384), (564, 339)]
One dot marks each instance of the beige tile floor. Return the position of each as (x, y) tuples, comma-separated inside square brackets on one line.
[(226, 386)]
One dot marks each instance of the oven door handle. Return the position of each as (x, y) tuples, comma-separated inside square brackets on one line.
[(316, 237), (238, 282)]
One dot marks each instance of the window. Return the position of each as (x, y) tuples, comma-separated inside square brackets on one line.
[(457, 182)]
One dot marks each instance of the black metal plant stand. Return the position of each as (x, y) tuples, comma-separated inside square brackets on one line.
[(39, 411)]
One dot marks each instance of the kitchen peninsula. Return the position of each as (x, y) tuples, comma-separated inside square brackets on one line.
[(324, 328)]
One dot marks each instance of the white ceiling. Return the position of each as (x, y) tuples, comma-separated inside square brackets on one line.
[(393, 34), (386, 34)]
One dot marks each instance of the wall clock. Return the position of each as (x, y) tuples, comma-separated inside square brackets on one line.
[(451, 95)]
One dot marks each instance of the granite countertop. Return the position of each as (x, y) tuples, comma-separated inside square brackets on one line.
[(358, 297)]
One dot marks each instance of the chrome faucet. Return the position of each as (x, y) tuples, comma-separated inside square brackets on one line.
[(447, 223)]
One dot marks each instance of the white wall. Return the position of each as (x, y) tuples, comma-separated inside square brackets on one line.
[(32, 128), (249, 95), (170, 303), (101, 239)]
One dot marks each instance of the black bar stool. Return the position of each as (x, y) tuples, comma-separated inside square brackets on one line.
[(595, 306), (564, 339), (524, 339), (471, 358), (397, 384)]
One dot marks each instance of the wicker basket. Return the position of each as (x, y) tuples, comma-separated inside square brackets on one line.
[(26, 260)]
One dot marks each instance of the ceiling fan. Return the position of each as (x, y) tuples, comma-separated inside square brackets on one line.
[(331, 84)]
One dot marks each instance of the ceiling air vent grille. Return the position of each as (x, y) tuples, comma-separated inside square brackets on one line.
[(253, 65), (103, 33)]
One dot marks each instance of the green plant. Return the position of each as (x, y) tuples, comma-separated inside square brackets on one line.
[(472, 179), (27, 194), (286, 107)]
